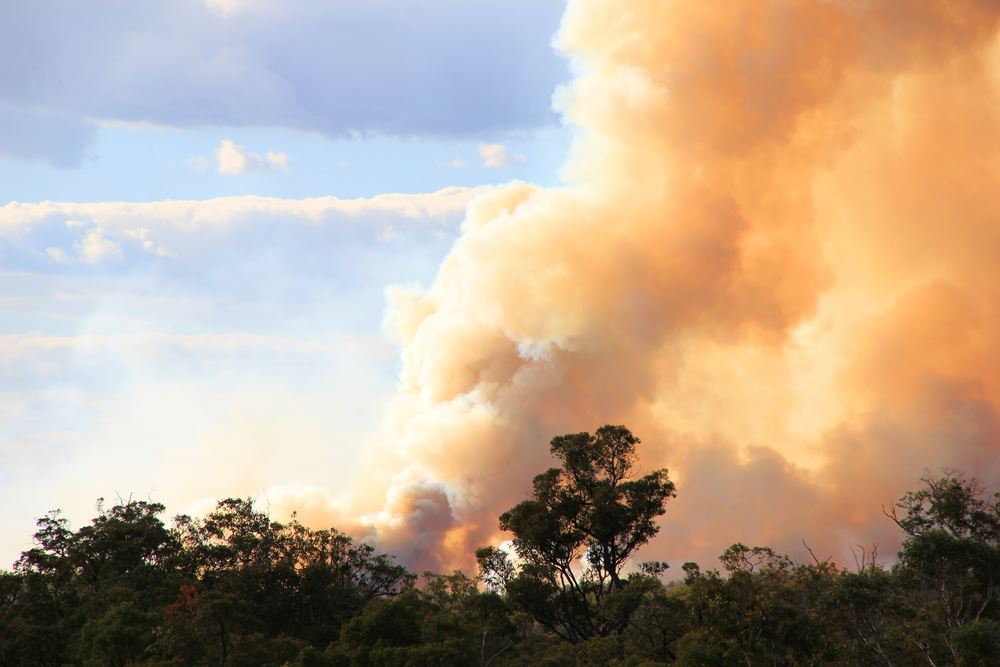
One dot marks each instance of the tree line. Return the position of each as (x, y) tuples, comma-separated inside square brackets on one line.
[(236, 588)]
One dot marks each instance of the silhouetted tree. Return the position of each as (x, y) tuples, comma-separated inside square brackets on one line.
[(574, 536), (239, 589), (950, 568)]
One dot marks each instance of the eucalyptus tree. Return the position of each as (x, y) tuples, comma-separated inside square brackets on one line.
[(576, 534)]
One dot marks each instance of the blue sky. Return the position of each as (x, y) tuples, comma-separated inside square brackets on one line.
[(200, 217), (130, 163)]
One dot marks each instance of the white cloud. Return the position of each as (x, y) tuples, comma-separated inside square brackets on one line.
[(192, 231), (233, 159), (143, 236), (459, 163), (497, 155), (94, 248)]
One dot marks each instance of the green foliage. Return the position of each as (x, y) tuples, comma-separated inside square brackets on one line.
[(576, 533), (949, 567), (766, 611), (238, 589), (657, 623), (234, 588), (118, 636), (977, 644)]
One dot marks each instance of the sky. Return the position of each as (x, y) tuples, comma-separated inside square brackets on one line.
[(202, 205), (362, 260), (119, 101)]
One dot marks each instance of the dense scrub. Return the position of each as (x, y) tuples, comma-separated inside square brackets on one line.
[(236, 588)]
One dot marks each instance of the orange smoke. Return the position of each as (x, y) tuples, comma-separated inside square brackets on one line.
[(777, 260)]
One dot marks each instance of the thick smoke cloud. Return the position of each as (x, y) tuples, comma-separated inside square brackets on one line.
[(775, 260)]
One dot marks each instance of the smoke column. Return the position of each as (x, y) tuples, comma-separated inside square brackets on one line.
[(776, 259)]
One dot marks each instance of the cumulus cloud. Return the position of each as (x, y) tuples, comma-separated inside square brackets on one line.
[(233, 159), (149, 232), (497, 155), (770, 261), (94, 248), (459, 69)]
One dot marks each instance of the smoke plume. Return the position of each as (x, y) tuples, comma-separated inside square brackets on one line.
[(775, 260)]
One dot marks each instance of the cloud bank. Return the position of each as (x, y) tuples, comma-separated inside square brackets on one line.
[(438, 68), (775, 260)]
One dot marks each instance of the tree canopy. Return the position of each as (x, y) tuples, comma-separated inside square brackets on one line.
[(236, 588), (576, 533)]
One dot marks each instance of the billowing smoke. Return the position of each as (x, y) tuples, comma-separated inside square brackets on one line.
[(777, 260)]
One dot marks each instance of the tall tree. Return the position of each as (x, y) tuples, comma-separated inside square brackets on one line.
[(950, 568), (577, 532)]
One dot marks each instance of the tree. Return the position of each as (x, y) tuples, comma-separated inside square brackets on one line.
[(577, 532), (79, 596), (255, 574), (235, 588), (950, 567), (766, 611)]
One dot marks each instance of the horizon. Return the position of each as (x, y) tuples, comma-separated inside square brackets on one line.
[(363, 261)]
